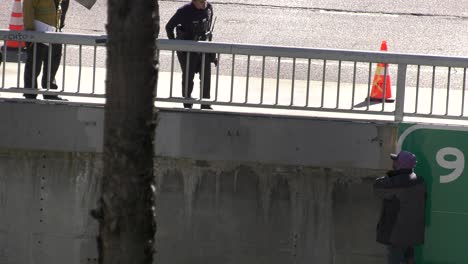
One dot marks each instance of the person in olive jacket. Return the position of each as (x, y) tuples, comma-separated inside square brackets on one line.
[(402, 220), (43, 16)]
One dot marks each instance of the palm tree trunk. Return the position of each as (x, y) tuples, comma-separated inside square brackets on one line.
[(126, 213)]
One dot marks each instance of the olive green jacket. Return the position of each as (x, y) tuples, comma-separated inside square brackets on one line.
[(44, 11)]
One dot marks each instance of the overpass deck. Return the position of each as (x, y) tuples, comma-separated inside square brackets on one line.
[(240, 188), (270, 80)]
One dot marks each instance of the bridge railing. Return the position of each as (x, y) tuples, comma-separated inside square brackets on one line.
[(260, 78)]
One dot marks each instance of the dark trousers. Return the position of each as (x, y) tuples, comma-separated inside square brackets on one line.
[(195, 66), (42, 60)]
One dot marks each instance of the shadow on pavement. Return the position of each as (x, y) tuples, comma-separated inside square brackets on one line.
[(367, 102)]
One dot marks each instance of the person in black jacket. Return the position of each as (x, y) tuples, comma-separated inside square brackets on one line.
[(192, 22), (402, 220)]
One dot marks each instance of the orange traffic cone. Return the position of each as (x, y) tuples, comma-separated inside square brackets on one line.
[(16, 23), (381, 79)]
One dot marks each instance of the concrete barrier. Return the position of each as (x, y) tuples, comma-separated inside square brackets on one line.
[(231, 188)]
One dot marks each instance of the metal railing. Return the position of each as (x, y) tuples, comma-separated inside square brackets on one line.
[(264, 78)]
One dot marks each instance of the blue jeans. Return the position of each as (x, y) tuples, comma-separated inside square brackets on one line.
[(397, 255)]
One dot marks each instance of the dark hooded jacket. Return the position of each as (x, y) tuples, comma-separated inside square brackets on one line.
[(402, 219), (191, 23)]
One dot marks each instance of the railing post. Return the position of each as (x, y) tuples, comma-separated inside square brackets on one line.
[(400, 93)]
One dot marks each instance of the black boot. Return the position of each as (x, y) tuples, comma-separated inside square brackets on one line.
[(54, 97), (206, 107)]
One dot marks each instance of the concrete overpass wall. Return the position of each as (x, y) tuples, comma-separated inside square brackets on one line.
[(231, 188)]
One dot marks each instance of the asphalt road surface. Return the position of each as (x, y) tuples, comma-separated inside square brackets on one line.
[(417, 26)]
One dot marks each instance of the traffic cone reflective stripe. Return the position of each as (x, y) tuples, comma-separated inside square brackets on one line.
[(16, 23), (382, 81)]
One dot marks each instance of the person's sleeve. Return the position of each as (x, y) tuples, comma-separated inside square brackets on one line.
[(65, 4), (172, 23), (28, 14), (385, 187)]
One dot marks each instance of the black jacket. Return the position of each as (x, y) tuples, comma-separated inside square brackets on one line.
[(191, 23), (402, 219)]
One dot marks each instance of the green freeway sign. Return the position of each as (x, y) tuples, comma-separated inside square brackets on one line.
[(441, 152)]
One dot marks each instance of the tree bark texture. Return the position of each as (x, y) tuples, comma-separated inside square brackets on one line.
[(126, 214)]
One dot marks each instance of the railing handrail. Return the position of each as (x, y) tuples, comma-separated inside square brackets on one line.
[(249, 49), (313, 53), (411, 77), (53, 37)]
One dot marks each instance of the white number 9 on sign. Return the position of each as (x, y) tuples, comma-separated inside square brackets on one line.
[(457, 165)]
